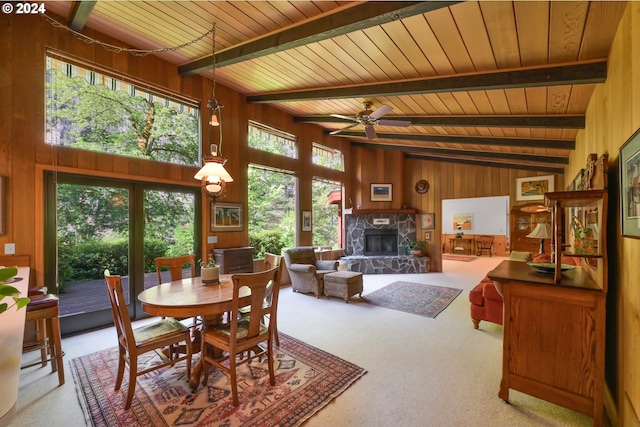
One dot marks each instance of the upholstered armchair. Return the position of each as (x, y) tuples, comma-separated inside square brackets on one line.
[(306, 272)]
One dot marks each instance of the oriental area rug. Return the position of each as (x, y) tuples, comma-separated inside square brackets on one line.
[(415, 298), (307, 379)]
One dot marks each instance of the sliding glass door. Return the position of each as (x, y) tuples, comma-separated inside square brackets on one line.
[(93, 225)]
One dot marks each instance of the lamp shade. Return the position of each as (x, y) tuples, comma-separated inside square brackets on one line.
[(214, 171), (542, 231)]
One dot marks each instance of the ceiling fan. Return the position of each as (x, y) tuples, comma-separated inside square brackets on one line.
[(368, 118)]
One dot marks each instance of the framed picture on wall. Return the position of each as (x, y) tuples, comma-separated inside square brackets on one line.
[(428, 221), (226, 216), (427, 236), (533, 188), (381, 192), (306, 220), (630, 186)]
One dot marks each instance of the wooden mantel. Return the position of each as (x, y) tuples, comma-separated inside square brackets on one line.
[(380, 211)]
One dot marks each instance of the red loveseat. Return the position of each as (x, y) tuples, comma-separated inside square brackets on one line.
[(486, 303)]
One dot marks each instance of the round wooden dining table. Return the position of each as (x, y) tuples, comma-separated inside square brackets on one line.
[(191, 298)]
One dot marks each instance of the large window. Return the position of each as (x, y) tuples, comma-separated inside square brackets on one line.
[(92, 110), (327, 157), (325, 214), (271, 209), (265, 138)]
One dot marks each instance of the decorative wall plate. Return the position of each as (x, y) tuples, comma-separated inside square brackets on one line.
[(422, 186)]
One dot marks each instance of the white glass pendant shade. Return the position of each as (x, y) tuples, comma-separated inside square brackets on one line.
[(214, 172)]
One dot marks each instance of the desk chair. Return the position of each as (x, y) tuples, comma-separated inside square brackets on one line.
[(243, 334), (134, 342)]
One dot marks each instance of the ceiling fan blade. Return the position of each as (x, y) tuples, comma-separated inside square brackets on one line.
[(340, 116), (343, 129), (400, 123), (370, 132), (384, 109)]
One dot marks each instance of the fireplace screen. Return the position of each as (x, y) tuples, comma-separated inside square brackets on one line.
[(380, 242)]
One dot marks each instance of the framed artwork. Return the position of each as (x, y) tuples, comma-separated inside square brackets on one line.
[(463, 222), (381, 192), (427, 236), (226, 217), (630, 186), (306, 220), (428, 221), (533, 188)]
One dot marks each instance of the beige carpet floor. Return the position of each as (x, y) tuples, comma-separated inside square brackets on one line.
[(421, 371)]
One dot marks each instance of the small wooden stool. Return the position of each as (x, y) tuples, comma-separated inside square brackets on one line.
[(343, 284), (44, 310)]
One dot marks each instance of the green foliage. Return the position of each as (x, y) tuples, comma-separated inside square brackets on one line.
[(9, 291), (86, 261), (97, 118), (269, 241), (271, 210), (324, 215)]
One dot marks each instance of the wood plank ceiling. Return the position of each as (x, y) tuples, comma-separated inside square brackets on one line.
[(495, 83)]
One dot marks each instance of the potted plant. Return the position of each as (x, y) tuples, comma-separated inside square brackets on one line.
[(415, 247), (459, 235), (209, 271), (9, 291)]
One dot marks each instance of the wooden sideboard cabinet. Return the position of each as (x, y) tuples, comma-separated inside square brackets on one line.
[(234, 260), (554, 321)]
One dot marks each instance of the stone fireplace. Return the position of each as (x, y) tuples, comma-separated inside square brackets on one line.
[(375, 242)]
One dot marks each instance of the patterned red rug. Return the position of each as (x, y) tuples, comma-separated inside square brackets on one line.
[(414, 298), (307, 379)]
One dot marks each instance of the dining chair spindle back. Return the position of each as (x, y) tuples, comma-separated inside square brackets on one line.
[(134, 342), (239, 339)]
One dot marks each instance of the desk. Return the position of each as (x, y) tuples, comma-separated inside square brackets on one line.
[(466, 243), (189, 298)]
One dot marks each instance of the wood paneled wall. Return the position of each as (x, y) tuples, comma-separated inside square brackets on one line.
[(612, 117), (456, 181)]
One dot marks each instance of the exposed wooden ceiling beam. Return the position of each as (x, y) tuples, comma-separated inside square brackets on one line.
[(560, 144), (448, 152), (80, 14), (345, 21), (538, 121), (489, 164), (585, 72)]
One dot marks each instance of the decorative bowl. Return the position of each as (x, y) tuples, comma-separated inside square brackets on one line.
[(549, 267)]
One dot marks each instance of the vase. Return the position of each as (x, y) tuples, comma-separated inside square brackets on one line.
[(210, 274)]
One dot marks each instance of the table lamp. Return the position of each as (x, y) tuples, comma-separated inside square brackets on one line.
[(542, 231)]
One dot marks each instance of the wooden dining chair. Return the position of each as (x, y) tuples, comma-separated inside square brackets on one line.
[(239, 339), (134, 342), (175, 265), (270, 261)]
